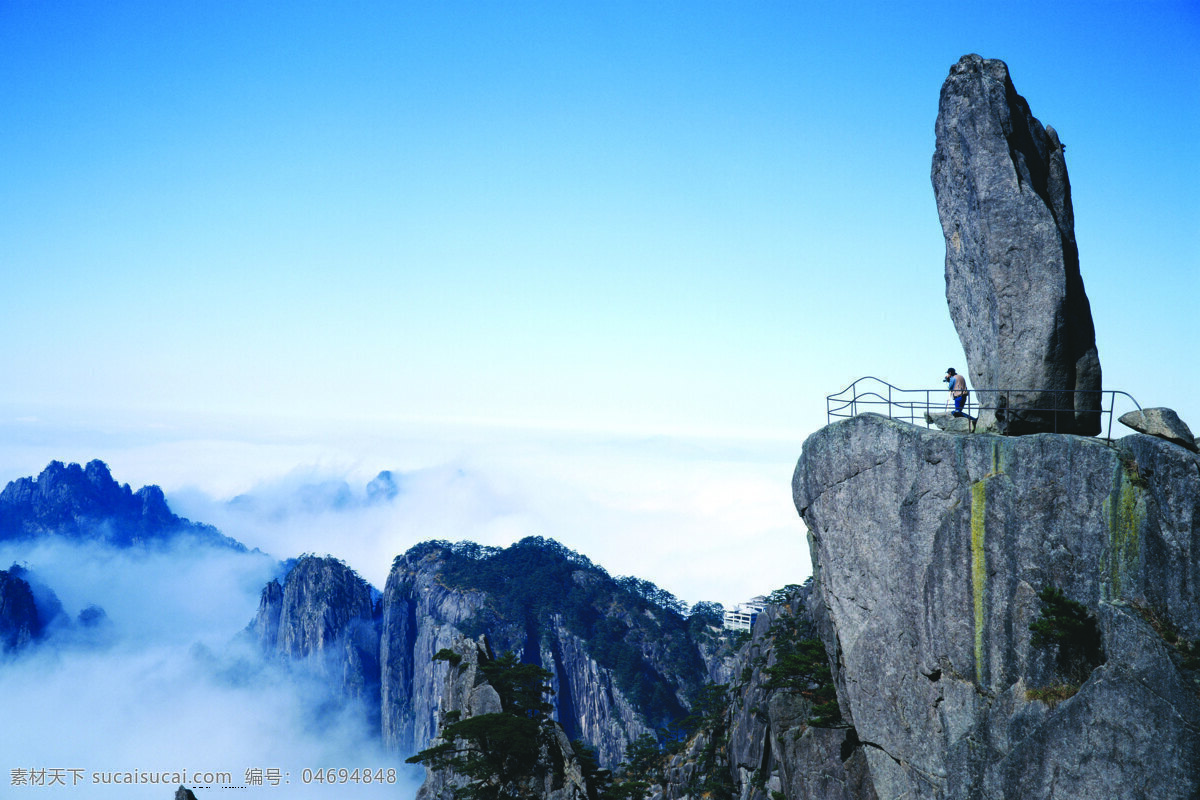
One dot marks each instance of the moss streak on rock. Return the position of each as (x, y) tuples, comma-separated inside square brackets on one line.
[(997, 458), (978, 569), (1123, 511)]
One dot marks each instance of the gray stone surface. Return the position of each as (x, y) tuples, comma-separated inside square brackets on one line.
[(383, 655), (770, 736), (766, 745), (1012, 265), (948, 422), (466, 692), (323, 615), (930, 550), (422, 615), (1161, 422)]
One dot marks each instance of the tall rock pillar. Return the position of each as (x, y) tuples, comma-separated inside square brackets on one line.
[(1012, 265)]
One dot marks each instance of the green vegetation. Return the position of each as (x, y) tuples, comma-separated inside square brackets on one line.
[(784, 595), (1052, 695), (1187, 652), (448, 655), (802, 666), (643, 768), (644, 757), (1130, 466), (738, 638), (629, 626), (1066, 626), (497, 753), (705, 621), (1125, 510), (799, 665), (709, 706), (599, 782), (707, 725), (979, 565)]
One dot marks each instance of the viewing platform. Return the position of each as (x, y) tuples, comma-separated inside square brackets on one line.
[(917, 406)]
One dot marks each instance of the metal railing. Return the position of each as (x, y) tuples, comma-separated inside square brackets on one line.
[(911, 405)]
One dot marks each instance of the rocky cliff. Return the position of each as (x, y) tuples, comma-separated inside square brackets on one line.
[(30, 611), (323, 614), (420, 617), (86, 504), (934, 555), (467, 694), (775, 730), (621, 656), (621, 665), (780, 739), (19, 621)]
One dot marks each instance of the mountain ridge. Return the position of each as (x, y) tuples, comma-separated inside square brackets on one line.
[(84, 503)]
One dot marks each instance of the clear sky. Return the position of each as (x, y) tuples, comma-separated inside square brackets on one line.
[(688, 220)]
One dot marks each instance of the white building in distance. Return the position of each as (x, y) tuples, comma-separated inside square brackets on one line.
[(742, 616)]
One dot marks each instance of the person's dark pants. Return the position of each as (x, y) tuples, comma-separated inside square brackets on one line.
[(959, 402)]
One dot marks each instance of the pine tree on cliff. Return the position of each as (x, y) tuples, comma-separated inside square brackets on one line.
[(497, 752)]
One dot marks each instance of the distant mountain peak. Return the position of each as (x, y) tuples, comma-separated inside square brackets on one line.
[(85, 503)]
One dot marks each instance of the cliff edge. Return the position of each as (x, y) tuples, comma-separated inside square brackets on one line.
[(934, 553)]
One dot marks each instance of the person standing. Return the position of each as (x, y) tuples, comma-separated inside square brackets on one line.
[(958, 390)]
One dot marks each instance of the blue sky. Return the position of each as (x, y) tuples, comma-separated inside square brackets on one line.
[(227, 223)]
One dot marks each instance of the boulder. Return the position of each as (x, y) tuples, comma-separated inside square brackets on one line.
[(948, 422), (1161, 422), (1012, 266)]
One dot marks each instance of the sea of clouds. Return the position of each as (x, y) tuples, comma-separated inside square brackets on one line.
[(168, 683)]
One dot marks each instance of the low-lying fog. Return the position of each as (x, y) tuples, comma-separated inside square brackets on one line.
[(165, 685)]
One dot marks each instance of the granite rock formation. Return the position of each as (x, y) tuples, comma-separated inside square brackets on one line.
[(764, 743), (19, 621), (1161, 422), (466, 693), (948, 422), (931, 550), (50, 612), (773, 747), (324, 614), (86, 504), (621, 666), (1012, 265), (31, 611), (420, 617)]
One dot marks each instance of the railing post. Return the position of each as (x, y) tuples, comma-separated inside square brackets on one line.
[(1112, 409)]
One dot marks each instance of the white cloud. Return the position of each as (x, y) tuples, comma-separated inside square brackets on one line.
[(706, 520), (173, 688)]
